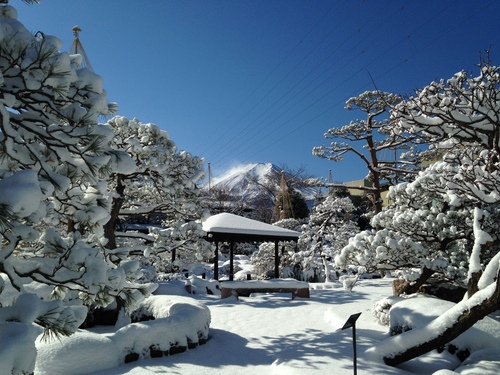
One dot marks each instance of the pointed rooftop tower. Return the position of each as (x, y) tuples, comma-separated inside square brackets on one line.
[(283, 208), (330, 179), (77, 48)]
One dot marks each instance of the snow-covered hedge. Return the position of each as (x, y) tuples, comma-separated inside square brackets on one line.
[(176, 324)]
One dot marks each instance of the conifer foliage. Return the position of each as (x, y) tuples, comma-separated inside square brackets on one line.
[(55, 159), (460, 117)]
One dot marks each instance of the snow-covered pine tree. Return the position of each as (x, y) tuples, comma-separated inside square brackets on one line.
[(461, 114), (376, 136), (422, 234), (53, 158), (422, 210), (163, 185), (331, 223)]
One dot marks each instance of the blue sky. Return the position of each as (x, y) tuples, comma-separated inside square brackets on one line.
[(261, 81)]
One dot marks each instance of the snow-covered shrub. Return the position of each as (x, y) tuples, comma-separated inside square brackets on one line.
[(331, 223), (204, 286), (381, 309), (225, 269), (348, 281), (263, 260)]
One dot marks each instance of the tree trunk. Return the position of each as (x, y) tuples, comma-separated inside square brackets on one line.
[(110, 226), (472, 287), (71, 226), (413, 288), (466, 320), (377, 194)]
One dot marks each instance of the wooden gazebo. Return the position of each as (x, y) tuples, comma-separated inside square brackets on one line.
[(230, 228)]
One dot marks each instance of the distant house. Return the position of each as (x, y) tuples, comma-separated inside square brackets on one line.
[(366, 183), (361, 183)]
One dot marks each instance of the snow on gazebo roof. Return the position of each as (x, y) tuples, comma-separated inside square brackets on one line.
[(227, 227)]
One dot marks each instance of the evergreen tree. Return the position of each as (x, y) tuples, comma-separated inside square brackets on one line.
[(377, 138), (461, 116), (54, 157), (161, 184), (330, 225)]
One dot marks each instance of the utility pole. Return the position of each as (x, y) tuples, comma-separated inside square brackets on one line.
[(209, 178)]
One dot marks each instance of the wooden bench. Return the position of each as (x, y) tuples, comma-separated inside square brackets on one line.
[(245, 288)]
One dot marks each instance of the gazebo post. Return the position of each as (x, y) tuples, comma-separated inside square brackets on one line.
[(216, 261), (276, 260), (231, 253)]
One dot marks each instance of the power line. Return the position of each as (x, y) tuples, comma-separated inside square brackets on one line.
[(386, 51), (376, 58), (246, 140), (270, 74)]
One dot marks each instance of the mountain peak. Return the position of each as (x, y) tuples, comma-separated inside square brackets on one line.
[(246, 180), (258, 170)]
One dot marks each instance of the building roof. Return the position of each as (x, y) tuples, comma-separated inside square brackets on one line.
[(229, 227)]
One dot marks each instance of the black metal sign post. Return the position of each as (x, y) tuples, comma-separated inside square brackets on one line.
[(351, 322)]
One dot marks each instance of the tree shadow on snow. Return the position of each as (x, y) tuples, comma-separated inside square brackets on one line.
[(306, 349), (222, 349), (265, 300), (339, 296)]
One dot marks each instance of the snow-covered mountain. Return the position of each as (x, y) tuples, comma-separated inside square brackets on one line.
[(246, 181)]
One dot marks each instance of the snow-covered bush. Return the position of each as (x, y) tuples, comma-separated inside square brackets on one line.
[(204, 286), (331, 223), (381, 309), (166, 325), (263, 260)]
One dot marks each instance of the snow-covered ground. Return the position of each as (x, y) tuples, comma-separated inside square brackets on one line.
[(273, 334)]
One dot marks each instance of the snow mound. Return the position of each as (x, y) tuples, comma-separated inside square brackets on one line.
[(175, 324), (71, 355), (484, 362)]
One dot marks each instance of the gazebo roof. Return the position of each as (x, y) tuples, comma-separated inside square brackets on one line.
[(229, 227)]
